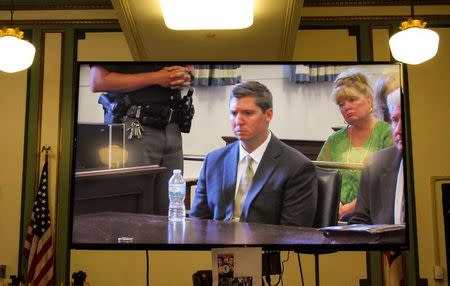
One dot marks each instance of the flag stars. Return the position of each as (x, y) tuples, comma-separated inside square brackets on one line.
[(41, 210)]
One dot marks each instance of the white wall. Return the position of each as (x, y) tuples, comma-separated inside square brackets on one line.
[(301, 111)]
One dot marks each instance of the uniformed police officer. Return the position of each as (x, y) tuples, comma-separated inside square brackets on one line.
[(151, 94)]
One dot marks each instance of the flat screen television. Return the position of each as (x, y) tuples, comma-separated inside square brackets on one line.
[(110, 211)]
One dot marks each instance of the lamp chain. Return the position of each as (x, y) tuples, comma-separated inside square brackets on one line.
[(12, 12)]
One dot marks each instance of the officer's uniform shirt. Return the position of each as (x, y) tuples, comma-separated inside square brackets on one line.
[(150, 94)]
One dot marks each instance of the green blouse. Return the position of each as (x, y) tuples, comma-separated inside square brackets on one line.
[(337, 149)]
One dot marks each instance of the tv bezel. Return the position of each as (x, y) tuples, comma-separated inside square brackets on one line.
[(407, 156)]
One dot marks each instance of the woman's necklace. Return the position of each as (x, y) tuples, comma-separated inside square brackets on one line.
[(350, 147)]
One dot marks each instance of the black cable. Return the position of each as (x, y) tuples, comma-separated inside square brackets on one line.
[(280, 276), (301, 270), (147, 270), (316, 268)]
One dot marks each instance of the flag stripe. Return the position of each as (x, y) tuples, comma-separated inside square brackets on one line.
[(42, 255), (29, 237), (44, 243), (43, 273), (31, 257), (48, 278)]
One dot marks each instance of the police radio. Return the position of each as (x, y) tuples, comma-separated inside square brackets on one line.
[(187, 111)]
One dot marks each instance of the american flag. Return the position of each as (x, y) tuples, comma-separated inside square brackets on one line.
[(38, 243)]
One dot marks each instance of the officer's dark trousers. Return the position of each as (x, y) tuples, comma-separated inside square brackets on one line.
[(161, 147)]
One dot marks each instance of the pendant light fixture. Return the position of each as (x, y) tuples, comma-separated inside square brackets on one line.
[(414, 44), (16, 54)]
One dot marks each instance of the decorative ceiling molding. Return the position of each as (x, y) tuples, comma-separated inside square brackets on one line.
[(345, 20), (58, 7), (63, 22), (334, 3)]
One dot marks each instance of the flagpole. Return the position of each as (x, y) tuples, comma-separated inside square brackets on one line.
[(46, 149)]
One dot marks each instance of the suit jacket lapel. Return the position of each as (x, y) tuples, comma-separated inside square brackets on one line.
[(229, 179), (388, 181), (266, 167)]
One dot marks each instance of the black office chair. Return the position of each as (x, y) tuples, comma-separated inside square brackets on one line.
[(329, 191)]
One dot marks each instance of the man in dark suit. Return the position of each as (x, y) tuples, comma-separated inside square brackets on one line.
[(380, 197), (283, 182)]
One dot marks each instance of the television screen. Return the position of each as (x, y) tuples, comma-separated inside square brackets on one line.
[(133, 128)]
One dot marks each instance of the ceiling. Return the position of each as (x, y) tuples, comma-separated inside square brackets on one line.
[(271, 37), (274, 27)]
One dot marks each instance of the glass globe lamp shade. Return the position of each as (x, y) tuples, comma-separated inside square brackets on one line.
[(15, 54), (414, 45)]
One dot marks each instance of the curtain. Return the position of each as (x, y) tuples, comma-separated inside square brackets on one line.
[(313, 73), (216, 75)]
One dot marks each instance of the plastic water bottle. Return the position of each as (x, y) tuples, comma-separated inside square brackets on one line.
[(177, 193)]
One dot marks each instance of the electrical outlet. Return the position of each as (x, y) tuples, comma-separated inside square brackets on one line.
[(438, 272)]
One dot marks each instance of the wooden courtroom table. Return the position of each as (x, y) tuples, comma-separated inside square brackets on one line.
[(113, 230)]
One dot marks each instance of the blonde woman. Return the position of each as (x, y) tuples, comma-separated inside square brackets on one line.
[(363, 134)]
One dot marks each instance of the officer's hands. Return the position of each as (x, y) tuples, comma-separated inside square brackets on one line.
[(178, 77)]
